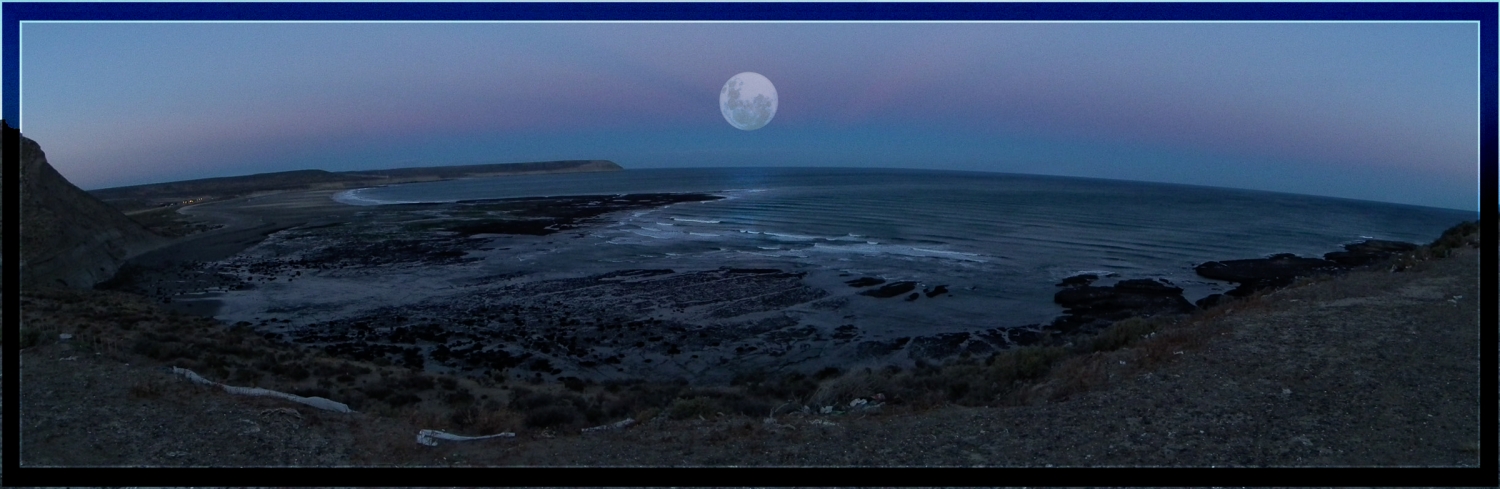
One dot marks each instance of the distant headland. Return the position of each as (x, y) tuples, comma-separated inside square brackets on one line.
[(171, 194)]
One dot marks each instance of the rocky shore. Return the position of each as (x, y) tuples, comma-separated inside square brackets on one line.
[(1371, 367), (308, 278)]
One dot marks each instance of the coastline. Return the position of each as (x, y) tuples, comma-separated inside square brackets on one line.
[(1372, 368), (403, 284)]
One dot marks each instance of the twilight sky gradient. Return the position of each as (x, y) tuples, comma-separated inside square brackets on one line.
[(1376, 111)]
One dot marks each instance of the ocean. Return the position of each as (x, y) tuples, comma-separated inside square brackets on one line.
[(1000, 242)]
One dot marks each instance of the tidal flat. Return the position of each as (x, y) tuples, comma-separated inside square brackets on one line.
[(473, 288)]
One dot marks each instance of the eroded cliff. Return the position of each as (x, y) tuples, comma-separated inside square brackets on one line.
[(69, 238)]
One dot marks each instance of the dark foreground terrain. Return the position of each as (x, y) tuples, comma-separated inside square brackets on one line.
[(1374, 367)]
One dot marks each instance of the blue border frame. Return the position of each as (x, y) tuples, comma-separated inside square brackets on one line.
[(1484, 13)]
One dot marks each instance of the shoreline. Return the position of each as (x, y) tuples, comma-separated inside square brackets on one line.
[(1330, 372), (602, 324)]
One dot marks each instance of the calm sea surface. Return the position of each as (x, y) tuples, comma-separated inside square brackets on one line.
[(999, 241)]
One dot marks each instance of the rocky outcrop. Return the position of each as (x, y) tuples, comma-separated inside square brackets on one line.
[(68, 237), (890, 290), (1090, 307), (865, 282), (1264, 273), (1368, 252)]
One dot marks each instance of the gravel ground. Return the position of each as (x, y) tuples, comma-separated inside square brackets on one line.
[(1370, 369), (1373, 369)]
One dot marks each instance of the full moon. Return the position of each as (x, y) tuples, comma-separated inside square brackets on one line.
[(748, 101)]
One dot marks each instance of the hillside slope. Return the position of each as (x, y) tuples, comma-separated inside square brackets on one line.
[(68, 237)]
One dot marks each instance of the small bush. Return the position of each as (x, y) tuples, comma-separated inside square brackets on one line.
[(418, 382), (402, 399), (245, 376), (840, 391), (794, 386), (828, 373), (957, 390), (692, 408), (1024, 363), (30, 338), (147, 389), (1122, 334), (574, 383), (378, 391), (1458, 236), (460, 398), (142, 346)]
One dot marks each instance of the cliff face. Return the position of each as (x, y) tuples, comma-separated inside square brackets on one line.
[(68, 237)]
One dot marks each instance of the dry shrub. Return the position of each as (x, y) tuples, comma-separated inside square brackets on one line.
[(150, 388), (485, 421), (1079, 374), (1166, 344), (1025, 363), (692, 408), (794, 386), (965, 384), (30, 337), (1463, 235), (841, 390), (727, 401), (552, 416), (1124, 333)]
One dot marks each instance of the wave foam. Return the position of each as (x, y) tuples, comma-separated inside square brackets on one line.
[(879, 249), (793, 237), (354, 197), (700, 221)]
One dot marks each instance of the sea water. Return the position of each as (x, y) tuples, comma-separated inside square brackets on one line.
[(998, 241)]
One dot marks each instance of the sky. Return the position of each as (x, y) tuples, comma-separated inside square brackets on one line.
[(1373, 111)]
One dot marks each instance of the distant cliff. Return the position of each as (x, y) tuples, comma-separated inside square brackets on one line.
[(68, 237), (446, 172), (139, 197), (260, 182)]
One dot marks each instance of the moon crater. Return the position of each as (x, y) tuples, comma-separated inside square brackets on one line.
[(748, 101)]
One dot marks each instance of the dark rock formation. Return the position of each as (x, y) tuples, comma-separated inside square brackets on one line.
[(541, 216), (755, 271), (1262, 273), (69, 238), (891, 290), (865, 282), (937, 346), (1368, 252), (875, 349), (937, 291), (1097, 307), (1078, 280)]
